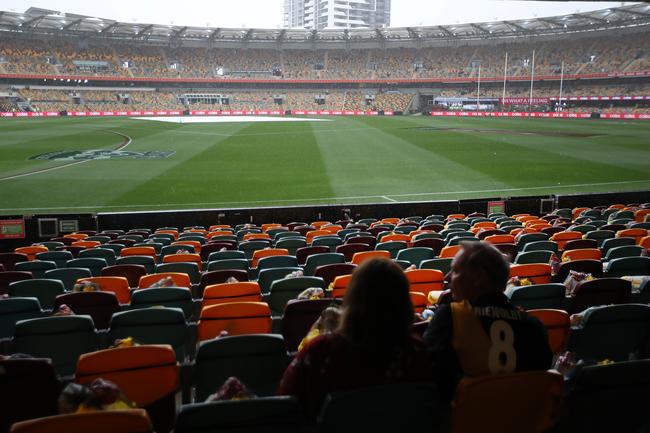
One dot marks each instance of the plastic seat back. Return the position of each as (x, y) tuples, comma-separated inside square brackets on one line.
[(99, 305), (601, 291), (179, 279), (12, 310), (172, 297), (119, 286), (298, 317), (361, 257), (132, 272), (537, 273), (45, 290), (425, 280), (416, 255), (235, 318), (243, 291), (557, 324), (539, 296), (281, 291)]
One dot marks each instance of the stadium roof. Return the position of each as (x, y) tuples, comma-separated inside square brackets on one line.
[(38, 21)]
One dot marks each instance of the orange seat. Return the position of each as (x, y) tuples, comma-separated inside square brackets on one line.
[(332, 229), (425, 280), (449, 252), (520, 215), (637, 234), (535, 221), (583, 253), (117, 285), (241, 291), (167, 232), (195, 244), (76, 236), (139, 251), (146, 373), (537, 273), (31, 251), (419, 301), (310, 235), (103, 421), (181, 257), (396, 237), (259, 254), (558, 326), (86, 244), (219, 233), (539, 227), (319, 224), (617, 206), (269, 226), (216, 227), (523, 219), (640, 215), (456, 216), (340, 285), (645, 242), (414, 233), (180, 279), (575, 213), (362, 256), (198, 231), (391, 220), (236, 318), (254, 236), (500, 239), (561, 238), (485, 225)]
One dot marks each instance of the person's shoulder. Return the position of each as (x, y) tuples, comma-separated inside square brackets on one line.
[(325, 342)]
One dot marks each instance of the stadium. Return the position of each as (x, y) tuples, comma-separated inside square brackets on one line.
[(219, 172)]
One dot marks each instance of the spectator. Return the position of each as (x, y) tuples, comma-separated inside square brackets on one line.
[(373, 344), (481, 333)]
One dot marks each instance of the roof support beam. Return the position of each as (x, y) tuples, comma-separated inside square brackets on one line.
[(515, 26), (446, 31), (144, 31)]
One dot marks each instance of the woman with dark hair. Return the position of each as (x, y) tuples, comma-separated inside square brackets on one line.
[(373, 344)]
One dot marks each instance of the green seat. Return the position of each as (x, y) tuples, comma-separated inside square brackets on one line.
[(52, 245), (189, 268), (36, 267), (58, 257), (455, 240), (404, 264), (249, 247), (275, 231), (404, 230), (564, 213), (539, 256), (148, 262), (93, 264), (282, 291), (45, 290), (624, 251), (192, 237), (458, 224), (643, 225), (611, 332), (583, 228), (274, 262), (173, 249), (540, 246), (416, 255), (257, 360), (241, 264), (316, 260), (266, 277), (443, 265), (68, 276), (61, 338), (608, 244), (261, 414), (592, 213), (600, 236), (343, 233), (116, 248), (628, 266), (538, 296), (102, 253), (426, 236), (393, 247), (220, 238), (172, 297), (445, 232), (154, 325), (286, 234), (226, 255), (291, 244), (13, 310), (98, 238), (530, 237), (621, 214), (332, 242)]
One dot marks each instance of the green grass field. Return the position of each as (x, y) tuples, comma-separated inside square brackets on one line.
[(345, 160)]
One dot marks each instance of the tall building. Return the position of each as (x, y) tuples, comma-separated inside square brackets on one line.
[(322, 14)]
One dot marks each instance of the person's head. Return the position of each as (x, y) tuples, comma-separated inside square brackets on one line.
[(478, 269), (377, 309)]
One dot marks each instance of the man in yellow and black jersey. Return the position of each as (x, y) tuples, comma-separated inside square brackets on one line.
[(480, 333)]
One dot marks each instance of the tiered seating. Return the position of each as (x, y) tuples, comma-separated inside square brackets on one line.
[(200, 303)]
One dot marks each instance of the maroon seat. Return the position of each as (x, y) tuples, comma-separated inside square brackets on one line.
[(333, 270), (434, 227), (303, 230), (126, 242), (293, 225), (210, 248), (74, 250), (602, 291), (612, 227), (218, 277), (376, 230), (593, 267), (8, 260), (485, 233), (98, 305), (30, 389), (509, 250), (578, 244), (435, 244), (349, 250), (2, 268), (229, 245), (298, 317), (131, 272), (304, 252), (550, 231), (363, 240), (8, 277), (64, 241)]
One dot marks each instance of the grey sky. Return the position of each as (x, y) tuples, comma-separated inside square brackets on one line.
[(268, 13)]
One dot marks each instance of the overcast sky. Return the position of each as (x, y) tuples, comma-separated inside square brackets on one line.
[(268, 13)]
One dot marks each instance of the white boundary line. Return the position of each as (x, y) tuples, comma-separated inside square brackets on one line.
[(329, 199), (70, 164)]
